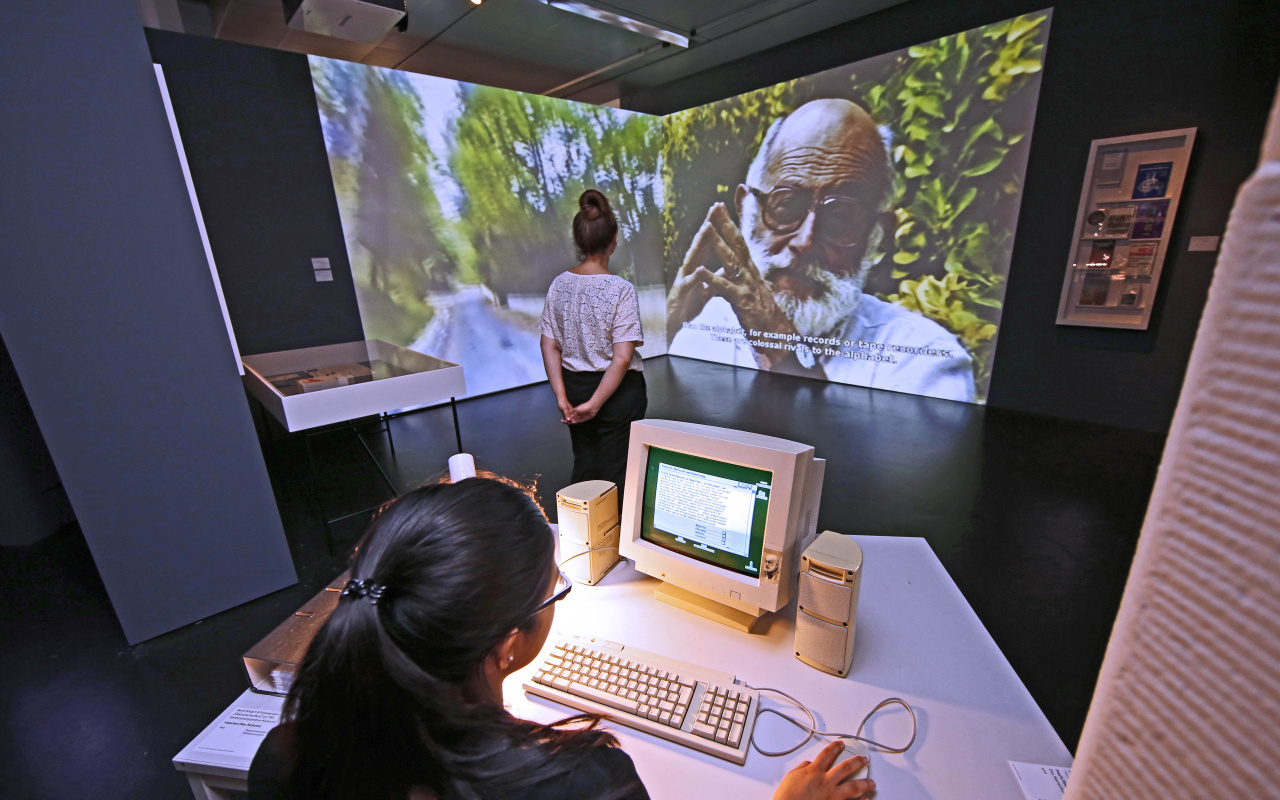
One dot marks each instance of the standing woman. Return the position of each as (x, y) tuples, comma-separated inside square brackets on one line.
[(590, 332)]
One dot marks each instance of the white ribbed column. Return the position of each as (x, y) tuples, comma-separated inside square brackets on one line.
[(1188, 702)]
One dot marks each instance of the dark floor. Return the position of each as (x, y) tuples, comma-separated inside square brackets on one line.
[(1035, 519)]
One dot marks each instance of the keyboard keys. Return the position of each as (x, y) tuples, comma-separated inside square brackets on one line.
[(646, 692), (604, 697), (735, 734)]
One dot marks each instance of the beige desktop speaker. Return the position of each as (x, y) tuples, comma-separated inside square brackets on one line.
[(830, 576), (588, 514)]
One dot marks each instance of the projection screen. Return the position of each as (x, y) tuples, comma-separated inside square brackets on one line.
[(854, 226)]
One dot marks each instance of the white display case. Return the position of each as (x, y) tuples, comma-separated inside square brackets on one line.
[(1124, 228), (317, 386)]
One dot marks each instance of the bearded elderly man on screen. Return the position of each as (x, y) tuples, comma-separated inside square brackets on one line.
[(810, 211)]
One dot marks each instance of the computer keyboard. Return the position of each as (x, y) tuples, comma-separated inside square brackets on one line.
[(698, 707)]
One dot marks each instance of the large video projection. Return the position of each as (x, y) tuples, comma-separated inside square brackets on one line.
[(855, 225), (456, 203)]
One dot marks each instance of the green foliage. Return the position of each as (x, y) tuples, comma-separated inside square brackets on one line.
[(955, 107), (399, 222), (399, 243), (513, 170), (720, 139), (522, 161), (958, 117)]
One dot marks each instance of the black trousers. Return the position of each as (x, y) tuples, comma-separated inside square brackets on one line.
[(600, 444)]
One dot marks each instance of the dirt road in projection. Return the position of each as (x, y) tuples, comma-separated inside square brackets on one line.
[(497, 347)]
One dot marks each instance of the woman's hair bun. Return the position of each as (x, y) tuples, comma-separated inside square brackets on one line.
[(594, 226), (593, 204)]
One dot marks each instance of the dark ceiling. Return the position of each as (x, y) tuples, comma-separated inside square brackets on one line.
[(533, 47)]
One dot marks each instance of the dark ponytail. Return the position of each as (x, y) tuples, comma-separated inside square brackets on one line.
[(594, 226), (388, 696)]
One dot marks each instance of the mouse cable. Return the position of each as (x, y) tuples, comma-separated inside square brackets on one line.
[(583, 553), (812, 727)]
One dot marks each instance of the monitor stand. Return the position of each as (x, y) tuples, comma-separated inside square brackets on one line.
[(706, 607)]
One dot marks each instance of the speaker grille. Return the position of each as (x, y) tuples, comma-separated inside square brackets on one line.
[(826, 599), (821, 641)]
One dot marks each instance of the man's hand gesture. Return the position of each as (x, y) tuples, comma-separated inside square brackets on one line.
[(737, 280)]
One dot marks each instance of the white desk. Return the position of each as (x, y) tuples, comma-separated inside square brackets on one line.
[(917, 638)]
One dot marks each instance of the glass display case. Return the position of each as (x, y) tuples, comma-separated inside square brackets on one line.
[(317, 386)]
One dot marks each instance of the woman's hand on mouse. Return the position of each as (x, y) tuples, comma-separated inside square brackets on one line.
[(824, 779)]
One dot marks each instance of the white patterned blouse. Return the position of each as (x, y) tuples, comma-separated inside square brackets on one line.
[(587, 314)]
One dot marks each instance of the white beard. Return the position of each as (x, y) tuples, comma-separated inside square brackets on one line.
[(818, 316), (833, 304)]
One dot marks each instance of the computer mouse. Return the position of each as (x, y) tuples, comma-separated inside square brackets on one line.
[(853, 747)]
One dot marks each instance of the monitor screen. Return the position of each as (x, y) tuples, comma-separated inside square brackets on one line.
[(710, 510)]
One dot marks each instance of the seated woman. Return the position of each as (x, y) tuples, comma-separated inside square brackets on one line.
[(400, 694)]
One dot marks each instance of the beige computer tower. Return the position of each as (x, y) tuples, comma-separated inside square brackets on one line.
[(588, 514), (830, 577)]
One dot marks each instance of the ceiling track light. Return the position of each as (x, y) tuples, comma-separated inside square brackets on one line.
[(619, 21)]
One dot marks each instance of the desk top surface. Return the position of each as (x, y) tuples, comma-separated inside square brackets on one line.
[(916, 638)]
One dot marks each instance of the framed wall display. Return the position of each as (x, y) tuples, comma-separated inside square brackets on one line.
[(1123, 228)]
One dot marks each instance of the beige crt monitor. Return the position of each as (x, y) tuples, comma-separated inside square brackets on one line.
[(720, 516)]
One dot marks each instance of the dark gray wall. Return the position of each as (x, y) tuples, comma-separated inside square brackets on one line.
[(35, 505), (109, 314), (1112, 69), (251, 132)]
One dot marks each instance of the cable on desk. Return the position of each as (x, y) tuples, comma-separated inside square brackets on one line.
[(583, 553), (812, 727)]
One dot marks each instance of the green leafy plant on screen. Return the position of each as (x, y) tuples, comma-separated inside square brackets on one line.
[(398, 240), (953, 105), (511, 168), (957, 117), (716, 137), (522, 160)]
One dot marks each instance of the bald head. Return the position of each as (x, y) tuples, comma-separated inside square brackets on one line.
[(829, 143)]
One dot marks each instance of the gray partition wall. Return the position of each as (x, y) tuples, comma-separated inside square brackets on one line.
[(109, 314)]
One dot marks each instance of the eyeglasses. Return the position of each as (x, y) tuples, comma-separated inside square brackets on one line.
[(563, 585), (838, 220)]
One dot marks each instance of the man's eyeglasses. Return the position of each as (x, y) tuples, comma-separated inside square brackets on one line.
[(563, 585), (838, 220)]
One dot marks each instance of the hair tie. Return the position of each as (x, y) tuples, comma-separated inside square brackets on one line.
[(360, 589)]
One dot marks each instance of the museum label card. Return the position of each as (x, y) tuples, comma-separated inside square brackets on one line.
[(1039, 781), (240, 732)]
